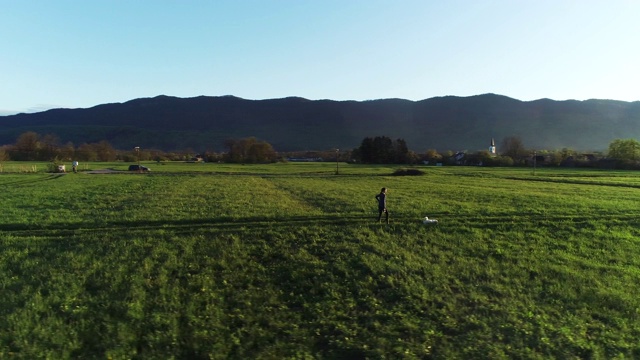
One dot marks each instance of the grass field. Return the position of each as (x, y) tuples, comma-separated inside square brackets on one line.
[(280, 261)]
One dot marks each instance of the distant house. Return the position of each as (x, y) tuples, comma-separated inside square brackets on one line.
[(197, 158), (459, 158)]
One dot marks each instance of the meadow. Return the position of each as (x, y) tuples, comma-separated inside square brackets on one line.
[(287, 261)]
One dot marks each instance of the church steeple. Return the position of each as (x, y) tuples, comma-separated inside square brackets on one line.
[(492, 148)]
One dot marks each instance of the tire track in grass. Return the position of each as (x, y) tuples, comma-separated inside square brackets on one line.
[(249, 224), (575, 182), (30, 180), (224, 223)]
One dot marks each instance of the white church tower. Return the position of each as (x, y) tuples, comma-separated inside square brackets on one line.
[(492, 148)]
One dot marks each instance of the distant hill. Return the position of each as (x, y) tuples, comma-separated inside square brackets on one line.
[(442, 123)]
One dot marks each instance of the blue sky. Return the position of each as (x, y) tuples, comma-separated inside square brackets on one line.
[(76, 54)]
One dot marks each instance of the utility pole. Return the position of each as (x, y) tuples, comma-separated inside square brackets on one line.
[(337, 156), (137, 149)]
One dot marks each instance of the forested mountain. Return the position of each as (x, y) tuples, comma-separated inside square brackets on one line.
[(289, 124)]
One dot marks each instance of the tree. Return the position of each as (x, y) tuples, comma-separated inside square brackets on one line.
[(27, 146), (513, 147), (627, 150), (382, 150), (557, 157), (49, 147), (67, 152), (249, 150), (484, 157), (104, 151), (432, 156), (412, 158), (401, 154), (261, 152), (86, 152), (365, 151), (3, 154)]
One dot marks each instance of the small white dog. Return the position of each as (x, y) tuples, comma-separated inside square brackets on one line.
[(429, 221)]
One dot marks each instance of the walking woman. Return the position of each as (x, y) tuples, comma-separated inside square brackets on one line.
[(382, 204)]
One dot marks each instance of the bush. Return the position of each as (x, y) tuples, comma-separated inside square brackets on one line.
[(53, 166), (408, 172)]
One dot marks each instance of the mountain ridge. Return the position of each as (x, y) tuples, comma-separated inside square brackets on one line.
[(295, 123)]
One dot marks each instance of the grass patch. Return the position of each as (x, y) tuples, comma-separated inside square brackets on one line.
[(287, 261)]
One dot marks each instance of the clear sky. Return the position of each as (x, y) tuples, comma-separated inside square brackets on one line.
[(77, 53)]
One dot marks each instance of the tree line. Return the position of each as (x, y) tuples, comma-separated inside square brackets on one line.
[(31, 146), (622, 154)]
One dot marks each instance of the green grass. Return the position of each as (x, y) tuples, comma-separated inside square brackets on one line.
[(287, 261)]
